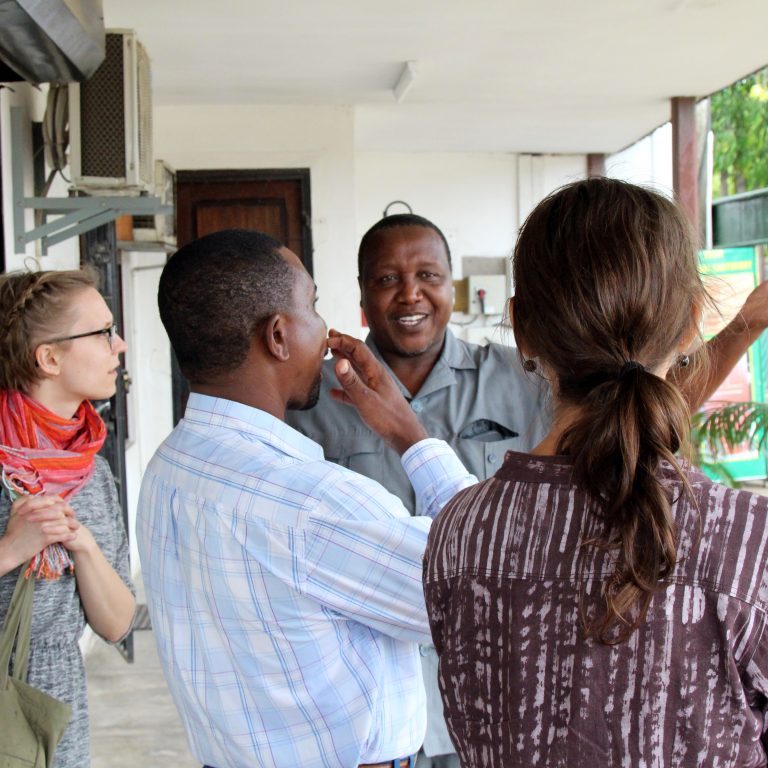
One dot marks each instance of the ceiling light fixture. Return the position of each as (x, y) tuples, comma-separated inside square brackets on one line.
[(405, 81)]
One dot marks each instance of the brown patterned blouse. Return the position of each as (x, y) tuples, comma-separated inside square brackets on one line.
[(504, 582)]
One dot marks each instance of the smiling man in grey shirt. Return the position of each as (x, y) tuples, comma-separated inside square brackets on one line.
[(478, 399)]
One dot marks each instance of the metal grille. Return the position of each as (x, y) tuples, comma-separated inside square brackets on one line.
[(102, 116)]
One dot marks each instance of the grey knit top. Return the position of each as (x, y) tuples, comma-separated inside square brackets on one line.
[(55, 662)]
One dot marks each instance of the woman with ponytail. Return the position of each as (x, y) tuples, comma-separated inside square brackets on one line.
[(60, 523), (598, 602)]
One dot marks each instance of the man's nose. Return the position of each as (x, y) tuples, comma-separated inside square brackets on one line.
[(410, 290)]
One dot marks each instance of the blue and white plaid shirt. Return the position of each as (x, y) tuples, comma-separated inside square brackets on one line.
[(285, 591)]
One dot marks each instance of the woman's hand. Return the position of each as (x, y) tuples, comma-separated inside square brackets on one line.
[(108, 604), (81, 540), (33, 524)]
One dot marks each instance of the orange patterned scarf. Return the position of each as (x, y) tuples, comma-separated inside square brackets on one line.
[(43, 453)]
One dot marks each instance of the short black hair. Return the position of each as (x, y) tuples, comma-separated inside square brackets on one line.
[(213, 294), (390, 222)]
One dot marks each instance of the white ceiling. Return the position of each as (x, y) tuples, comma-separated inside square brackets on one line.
[(492, 75)]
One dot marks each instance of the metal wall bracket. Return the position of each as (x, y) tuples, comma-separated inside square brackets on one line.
[(76, 215)]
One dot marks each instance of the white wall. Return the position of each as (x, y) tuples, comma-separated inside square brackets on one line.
[(538, 175), (65, 255), (647, 162), (471, 197), (315, 137)]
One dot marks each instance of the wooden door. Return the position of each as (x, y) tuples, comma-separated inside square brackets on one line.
[(275, 202)]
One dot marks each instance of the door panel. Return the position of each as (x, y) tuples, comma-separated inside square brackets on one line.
[(275, 202), (269, 216)]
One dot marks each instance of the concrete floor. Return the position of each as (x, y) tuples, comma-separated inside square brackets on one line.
[(134, 723)]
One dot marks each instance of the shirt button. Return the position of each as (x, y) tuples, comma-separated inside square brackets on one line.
[(491, 458), (417, 406)]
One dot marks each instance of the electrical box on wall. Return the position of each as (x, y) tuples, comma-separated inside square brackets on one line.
[(487, 294), (460, 297)]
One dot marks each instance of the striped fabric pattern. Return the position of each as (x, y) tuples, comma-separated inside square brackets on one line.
[(43, 452), (505, 579), (285, 592)]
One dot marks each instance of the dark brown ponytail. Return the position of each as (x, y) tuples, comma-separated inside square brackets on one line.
[(606, 279)]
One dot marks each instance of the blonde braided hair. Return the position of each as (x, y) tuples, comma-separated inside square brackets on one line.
[(33, 306)]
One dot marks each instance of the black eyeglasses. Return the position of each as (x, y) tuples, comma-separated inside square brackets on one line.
[(110, 333)]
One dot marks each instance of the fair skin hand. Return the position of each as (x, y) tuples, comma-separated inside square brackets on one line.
[(33, 524), (370, 389), (725, 349)]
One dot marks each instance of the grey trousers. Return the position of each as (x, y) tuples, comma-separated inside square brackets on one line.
[(437, 761)]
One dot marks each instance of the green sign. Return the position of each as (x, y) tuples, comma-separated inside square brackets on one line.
[(731, 274)]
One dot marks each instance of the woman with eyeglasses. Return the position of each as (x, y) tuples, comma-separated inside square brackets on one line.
[(60, 519)]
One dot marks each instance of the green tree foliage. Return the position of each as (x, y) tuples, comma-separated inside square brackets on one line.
[(740, 125), (729, 426)]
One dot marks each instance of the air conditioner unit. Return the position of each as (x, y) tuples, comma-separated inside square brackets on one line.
[(110, 121), (160, 228)]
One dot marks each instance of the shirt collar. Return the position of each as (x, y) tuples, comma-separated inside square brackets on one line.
[(251, 423), (454, 355)]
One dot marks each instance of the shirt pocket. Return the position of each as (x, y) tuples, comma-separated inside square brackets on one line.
[(358, 452), (483, 443)]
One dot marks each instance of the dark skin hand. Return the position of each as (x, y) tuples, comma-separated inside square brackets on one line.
[(370, 389)]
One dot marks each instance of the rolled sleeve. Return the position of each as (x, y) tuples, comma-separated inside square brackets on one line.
[(436, 474)]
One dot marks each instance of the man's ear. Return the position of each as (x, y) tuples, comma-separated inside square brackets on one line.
[(360, 286), (48, 359), (275, 336)]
